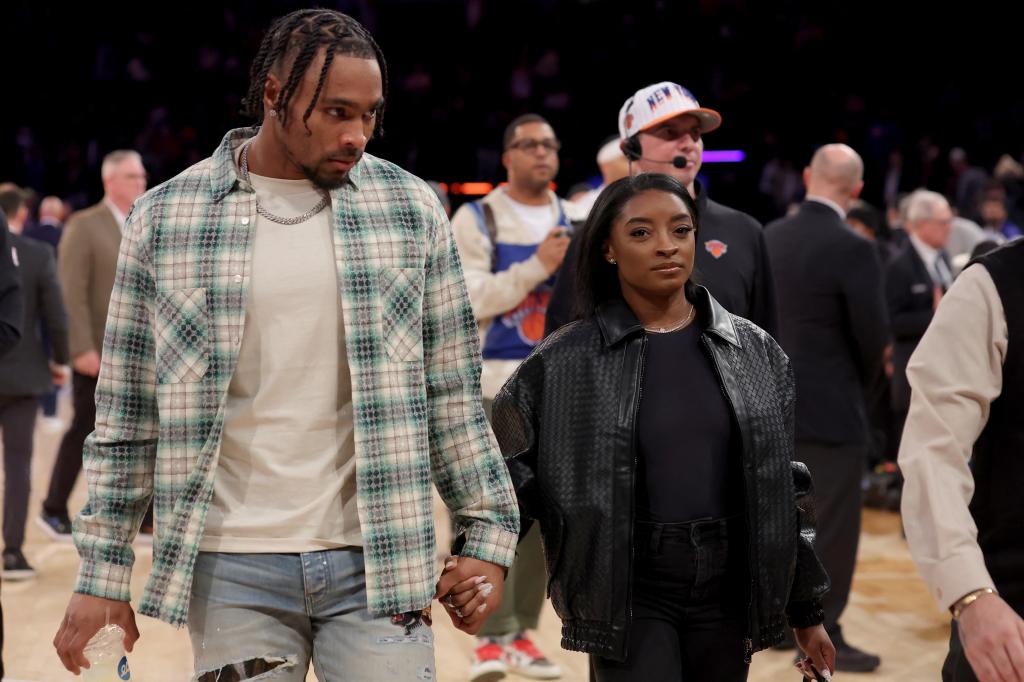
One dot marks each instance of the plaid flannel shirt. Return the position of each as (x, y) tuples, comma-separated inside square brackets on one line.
[(173, 334)]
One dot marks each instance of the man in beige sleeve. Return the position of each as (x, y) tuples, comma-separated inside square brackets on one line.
[(962, 455)]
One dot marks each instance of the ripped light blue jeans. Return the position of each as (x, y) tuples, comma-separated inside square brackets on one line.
[(267, 616)]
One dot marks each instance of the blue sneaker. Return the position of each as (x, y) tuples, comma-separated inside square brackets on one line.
[(57, 527)]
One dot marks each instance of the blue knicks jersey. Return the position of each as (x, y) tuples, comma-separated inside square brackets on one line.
[(513, 334)]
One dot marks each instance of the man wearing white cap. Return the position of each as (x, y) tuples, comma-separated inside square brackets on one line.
[(661, 130)]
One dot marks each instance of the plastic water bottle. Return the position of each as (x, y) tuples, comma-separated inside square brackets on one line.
[(105, 651)]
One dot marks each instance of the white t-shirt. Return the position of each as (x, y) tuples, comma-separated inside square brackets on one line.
[(286, 478), (540, 220)]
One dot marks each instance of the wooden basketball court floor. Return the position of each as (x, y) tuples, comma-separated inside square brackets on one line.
[(890, 611)]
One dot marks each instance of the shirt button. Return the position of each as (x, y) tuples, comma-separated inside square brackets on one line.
[(236, 340), (238, 278), (245, 221)]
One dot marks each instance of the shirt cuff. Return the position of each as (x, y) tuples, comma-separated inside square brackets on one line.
[(957, 576), (109, 581), (488, 542), (805, 614)]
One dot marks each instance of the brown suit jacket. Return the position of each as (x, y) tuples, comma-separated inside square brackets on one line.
[(86, 266)]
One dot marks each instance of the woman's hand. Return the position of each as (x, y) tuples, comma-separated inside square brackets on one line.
[(470, 591), (818, 649)]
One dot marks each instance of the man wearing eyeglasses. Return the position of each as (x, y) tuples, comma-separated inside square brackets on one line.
[(511, 244)]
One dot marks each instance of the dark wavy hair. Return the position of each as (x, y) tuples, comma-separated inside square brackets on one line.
[(296, 39), (597, 280)]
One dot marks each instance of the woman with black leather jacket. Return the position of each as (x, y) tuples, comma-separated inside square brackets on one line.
[(652, 440)]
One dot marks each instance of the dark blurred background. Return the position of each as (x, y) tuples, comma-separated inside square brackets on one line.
[(902, 83)]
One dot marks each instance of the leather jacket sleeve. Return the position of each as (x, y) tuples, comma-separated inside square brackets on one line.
[(810, 581), (515, 415)]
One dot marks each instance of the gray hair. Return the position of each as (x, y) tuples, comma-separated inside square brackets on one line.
[(51, 206), (922, 205), (112, 160)]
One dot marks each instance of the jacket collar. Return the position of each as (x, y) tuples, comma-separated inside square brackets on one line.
[(820, 209), (701, 199), (616, 320)]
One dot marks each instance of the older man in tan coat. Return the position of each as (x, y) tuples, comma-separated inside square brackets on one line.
[(87, 265)]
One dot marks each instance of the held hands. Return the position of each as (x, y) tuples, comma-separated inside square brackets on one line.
[(819, 650), (470, 591)]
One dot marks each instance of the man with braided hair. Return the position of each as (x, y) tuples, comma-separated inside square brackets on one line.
[(290, 361)]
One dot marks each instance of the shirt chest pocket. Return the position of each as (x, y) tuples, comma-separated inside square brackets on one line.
[(182, 342), (401, 291)]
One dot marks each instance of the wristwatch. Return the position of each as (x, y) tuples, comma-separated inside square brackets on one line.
[(963, 602)]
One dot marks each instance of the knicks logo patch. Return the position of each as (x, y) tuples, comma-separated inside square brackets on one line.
[(716, 248), (527, 319)]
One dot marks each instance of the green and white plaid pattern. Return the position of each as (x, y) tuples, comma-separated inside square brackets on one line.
[(173, 334)]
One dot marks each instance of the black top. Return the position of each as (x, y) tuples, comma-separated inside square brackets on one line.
[(687, 460)]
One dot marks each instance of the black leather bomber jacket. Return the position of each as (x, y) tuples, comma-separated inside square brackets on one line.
[(565, 422)]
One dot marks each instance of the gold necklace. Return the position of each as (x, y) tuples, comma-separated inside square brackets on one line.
[(662, 330)]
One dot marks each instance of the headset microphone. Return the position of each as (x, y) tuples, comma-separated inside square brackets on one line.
[(679, 161), (631, 149)]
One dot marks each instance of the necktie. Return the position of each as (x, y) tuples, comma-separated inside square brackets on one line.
[(943, 273)]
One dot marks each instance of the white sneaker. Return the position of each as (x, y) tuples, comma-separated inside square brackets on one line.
[(53, 425)]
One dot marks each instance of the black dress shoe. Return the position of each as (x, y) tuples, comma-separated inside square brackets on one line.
[(850, 659)]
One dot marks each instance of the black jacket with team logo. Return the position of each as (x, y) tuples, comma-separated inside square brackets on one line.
[(732, 262)]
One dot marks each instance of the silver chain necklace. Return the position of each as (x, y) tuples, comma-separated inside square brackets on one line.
[(267, 214), (662, 330)]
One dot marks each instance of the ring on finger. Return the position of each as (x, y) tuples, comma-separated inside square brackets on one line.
[(458, 612)]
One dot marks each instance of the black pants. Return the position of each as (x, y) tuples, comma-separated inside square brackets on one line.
[(837, 471), (18, 422), (689, 600), (956, 667), (69, 456)]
